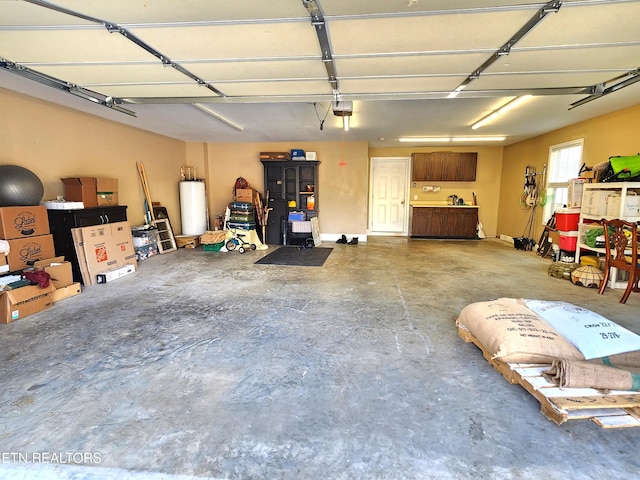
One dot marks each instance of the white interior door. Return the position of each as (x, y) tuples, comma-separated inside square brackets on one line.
[(389, 187)]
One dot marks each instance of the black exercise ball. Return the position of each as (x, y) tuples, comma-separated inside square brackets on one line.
[(19, 186)]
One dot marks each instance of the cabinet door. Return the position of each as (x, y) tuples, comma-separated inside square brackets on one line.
[(419, 166), (466, 167), (463, 222), (418, 221), (274, 181)]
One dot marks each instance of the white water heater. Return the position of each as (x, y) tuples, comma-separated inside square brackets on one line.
[(193, 207)]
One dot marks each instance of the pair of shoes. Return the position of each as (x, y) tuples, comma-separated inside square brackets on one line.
[(353, 241), (342, 239)]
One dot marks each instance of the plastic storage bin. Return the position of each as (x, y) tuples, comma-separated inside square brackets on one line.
[(568, 241), (567, 219)]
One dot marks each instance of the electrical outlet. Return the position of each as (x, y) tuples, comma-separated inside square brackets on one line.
[(436, 189), (414, 184)]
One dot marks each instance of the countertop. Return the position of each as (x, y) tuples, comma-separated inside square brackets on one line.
[(437, 203)]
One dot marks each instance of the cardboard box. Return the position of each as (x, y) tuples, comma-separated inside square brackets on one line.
[(76, 235), (81, 189), (576, 186), (29, 221), (594, 202), (91, 191), (107, 191), (26, 251), (213, 236), (187, 241), (244, 195), (58, 269), (24, 301), (4, 266), (105, 247), (66, 292), (115, 273)]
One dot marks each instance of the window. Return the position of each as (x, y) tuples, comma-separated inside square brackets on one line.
[(565, 160)]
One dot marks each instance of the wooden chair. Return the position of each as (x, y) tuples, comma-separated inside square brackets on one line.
[(621, 253)]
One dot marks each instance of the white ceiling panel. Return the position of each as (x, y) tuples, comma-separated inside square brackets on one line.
[(374, 7), (400, 85), (268, 53), (424, 34), (620, 58), (15, 13), (574, 25), (86, 45), (151, 91), (542, 80), (409, 65), (171, 11), (258, 70), (284, 89), (113, 74), (233, 41)]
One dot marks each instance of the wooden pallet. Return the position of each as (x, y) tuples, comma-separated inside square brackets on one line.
[(615, 409)]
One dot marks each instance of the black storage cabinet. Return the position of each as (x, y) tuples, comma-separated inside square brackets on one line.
[(62, 221), (291, 180)]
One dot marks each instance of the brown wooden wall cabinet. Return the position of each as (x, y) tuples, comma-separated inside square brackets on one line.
[(444, 222), (444, 167)]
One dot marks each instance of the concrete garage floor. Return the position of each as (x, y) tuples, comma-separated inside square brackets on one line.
[(205, 365)]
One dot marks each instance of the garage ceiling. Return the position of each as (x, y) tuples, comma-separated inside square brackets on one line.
[(270, 71)]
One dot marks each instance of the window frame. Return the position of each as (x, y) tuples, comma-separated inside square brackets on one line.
[(553, 188)]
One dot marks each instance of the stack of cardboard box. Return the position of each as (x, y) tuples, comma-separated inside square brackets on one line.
[(26, 231)]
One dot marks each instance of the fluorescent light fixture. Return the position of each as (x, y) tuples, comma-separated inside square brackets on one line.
[(424, 139), (505, 108), (478, 139), (451, 139), (217, 116)]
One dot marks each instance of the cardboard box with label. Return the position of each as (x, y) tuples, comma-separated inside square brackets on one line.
[(25, 252), (104, 247), (91, 191), (244, 195), (107, 191), (21, 302), (28, 221)]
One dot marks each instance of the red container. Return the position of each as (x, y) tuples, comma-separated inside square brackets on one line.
[(568, 241), (567, 219)]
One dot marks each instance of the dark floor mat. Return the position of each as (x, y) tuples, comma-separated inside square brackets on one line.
[(308, 257)]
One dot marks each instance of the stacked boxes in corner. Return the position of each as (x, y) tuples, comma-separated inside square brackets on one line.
[(26, 231)]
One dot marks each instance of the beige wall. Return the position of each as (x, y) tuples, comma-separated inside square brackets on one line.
[(342, 191), (605, 136), (486, 186), (56, 142)]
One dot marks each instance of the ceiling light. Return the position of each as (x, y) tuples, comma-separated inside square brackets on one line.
[(451, 139), (478, 139), (345, 123), (217, 116), (505, 108), (424, 139)]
